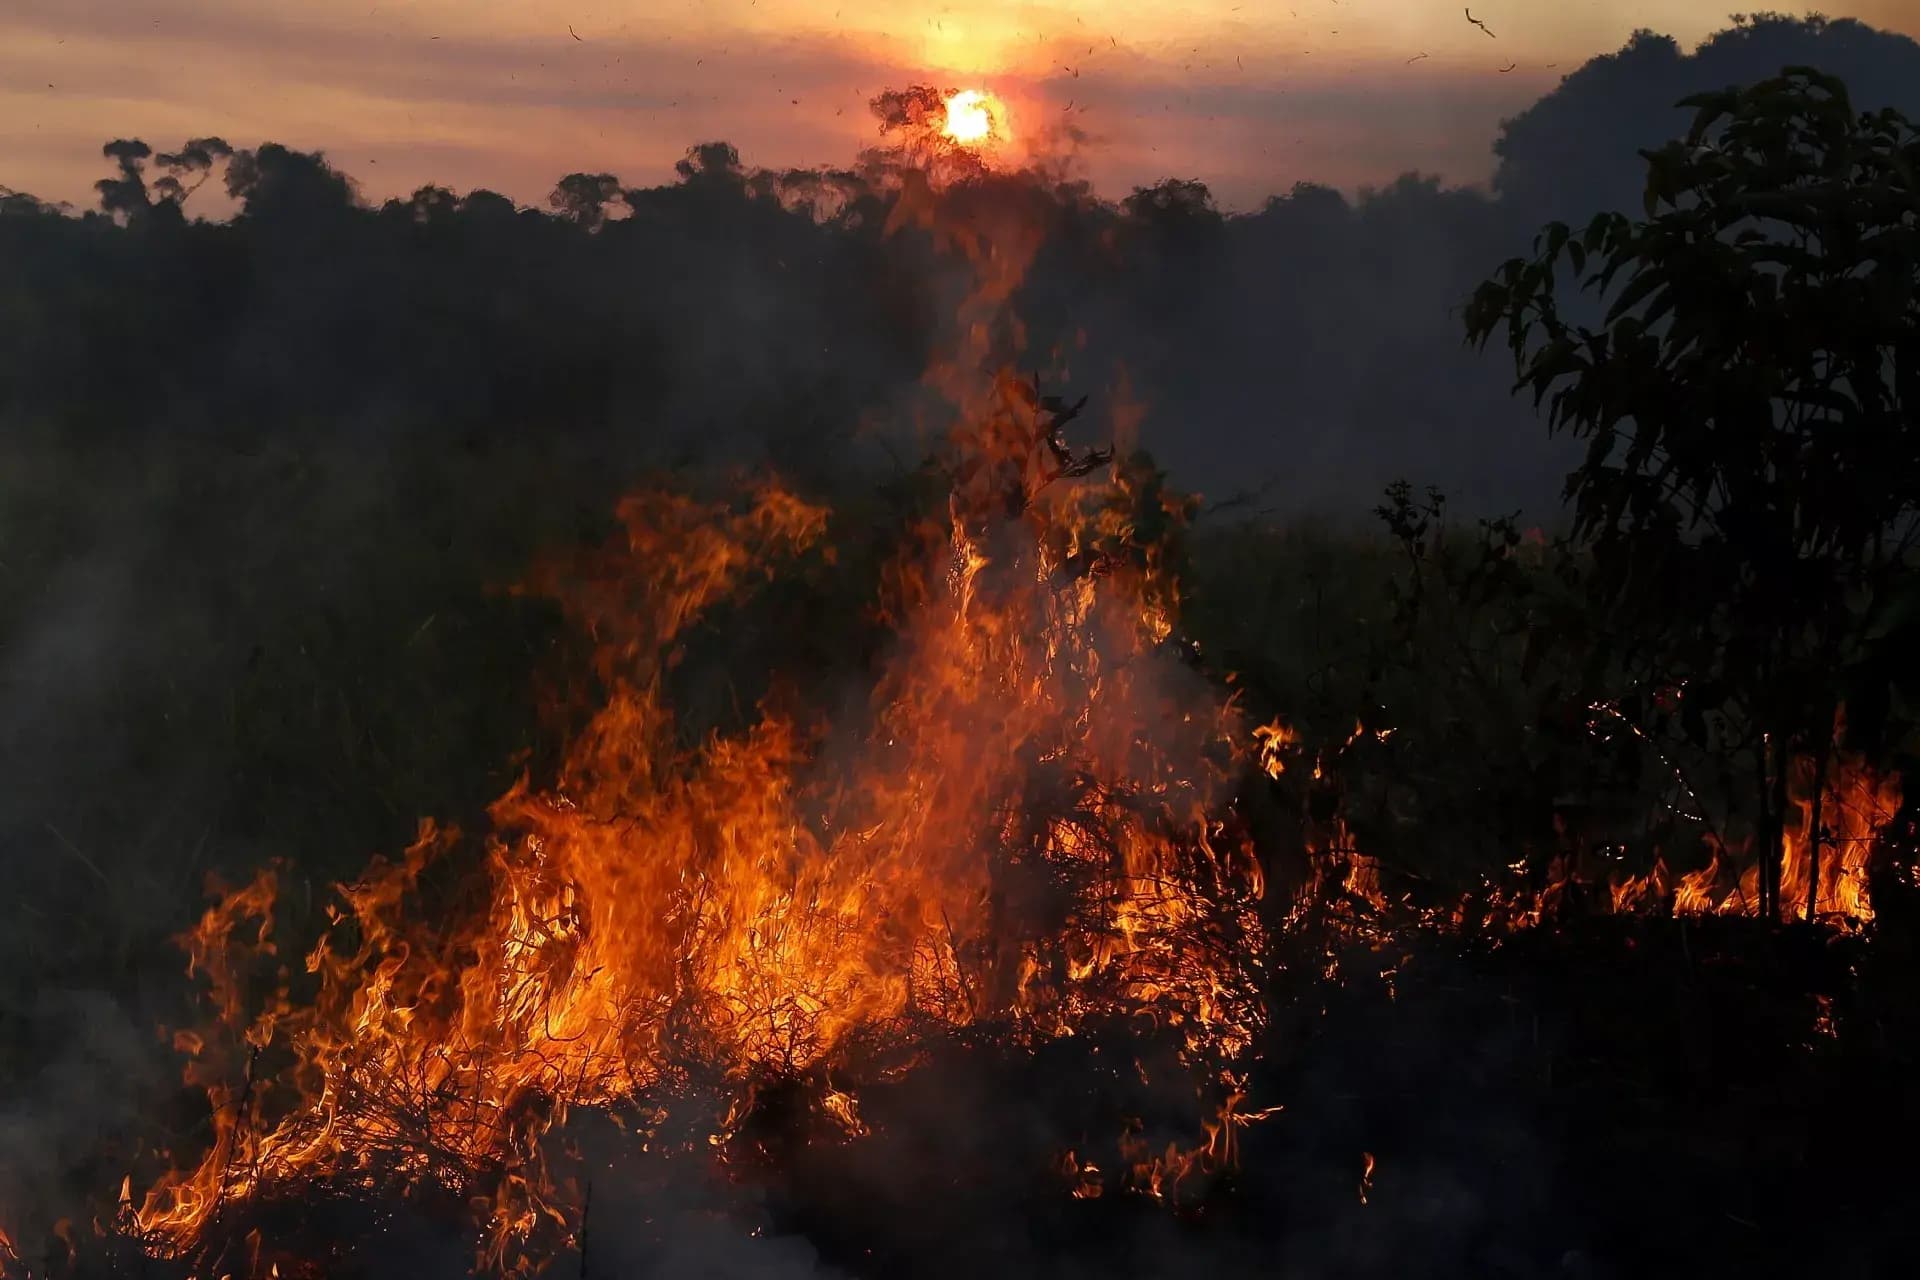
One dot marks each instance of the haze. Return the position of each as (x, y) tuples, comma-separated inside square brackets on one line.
[(1246, 95)]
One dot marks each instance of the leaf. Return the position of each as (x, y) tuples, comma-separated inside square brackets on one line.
[(1636, 291), (1708, 109)]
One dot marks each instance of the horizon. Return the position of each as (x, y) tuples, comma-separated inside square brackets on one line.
[(1343, 93)]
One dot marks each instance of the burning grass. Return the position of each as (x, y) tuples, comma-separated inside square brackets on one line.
[(1028, 827), (1017, 840), (731, 948)]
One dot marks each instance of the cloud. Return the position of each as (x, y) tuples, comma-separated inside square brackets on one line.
[(487, 109), (496, 106)]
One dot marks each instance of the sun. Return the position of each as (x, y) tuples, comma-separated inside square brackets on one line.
[(971, 117)]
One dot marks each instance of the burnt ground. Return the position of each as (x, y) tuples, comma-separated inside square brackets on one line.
[(1598, 1097)]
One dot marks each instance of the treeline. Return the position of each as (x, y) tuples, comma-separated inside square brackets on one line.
[(259, 473), (262, 476), (1310, 348), (769, 309)]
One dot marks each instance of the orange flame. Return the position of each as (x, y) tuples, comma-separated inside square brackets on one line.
[(1858, 803), (665, 911), (1028, 826)]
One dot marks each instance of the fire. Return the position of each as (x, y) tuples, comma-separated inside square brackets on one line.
[(1833, 823), (1852, 807), (973, 118), (1028, 828), (1856, 802), (1011, 842)]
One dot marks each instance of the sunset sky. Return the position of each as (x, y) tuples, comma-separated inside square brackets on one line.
[(1248, 95)]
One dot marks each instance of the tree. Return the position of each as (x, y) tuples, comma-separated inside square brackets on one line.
[(582, 198), (713, 162), (20, 204), (125, 196), (1576, 149), (427, 205), (1174, 202), (278, 184), (1750, 399), (189, 168), (487, 206)]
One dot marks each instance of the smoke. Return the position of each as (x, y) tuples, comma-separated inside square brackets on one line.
[(68, 1109), (261, 476)]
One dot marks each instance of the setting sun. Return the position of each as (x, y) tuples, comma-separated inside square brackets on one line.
[(830, 671), (972, 117)]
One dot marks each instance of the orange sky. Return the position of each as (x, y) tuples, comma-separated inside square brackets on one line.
[(1249, 95)]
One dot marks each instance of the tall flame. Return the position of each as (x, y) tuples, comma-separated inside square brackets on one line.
[(1029, 826)]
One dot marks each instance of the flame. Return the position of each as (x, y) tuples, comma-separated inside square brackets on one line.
[(845, 1109), (1274, 739), (1028, 827), (973, 118), (1012, 843), (1857, 803)]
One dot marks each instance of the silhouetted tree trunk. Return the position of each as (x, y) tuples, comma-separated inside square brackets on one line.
[(1822, 762), (1773, 832)]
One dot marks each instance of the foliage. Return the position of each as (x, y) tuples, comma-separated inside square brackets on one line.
[(1608, 108), (1421, 670), (261, 476), (1751, 486)]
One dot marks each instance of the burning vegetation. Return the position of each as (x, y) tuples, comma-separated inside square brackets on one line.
[(1010, 823), (1027, 828)]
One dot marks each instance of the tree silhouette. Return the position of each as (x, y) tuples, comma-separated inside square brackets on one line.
[(189, 168), (582, 198), (717, 162), (276, 183), (125, 196), (1576, 150), (1751, 487)]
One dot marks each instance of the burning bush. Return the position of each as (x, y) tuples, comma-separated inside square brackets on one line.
[(1028, 826)]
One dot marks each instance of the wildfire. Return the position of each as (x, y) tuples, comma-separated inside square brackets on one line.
[(973, 118), (1012, 843), (1855, 803), (1029, 827)]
